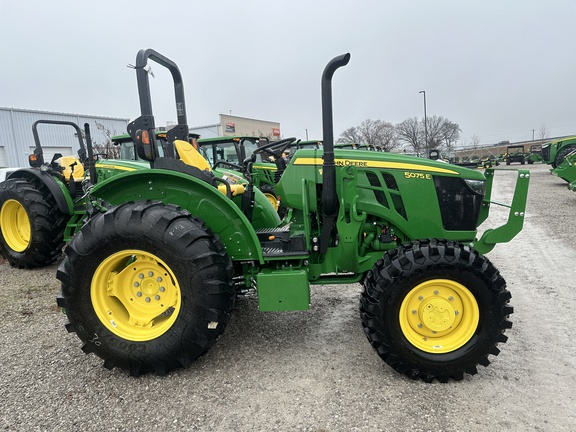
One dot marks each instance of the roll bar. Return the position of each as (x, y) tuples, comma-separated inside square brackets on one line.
[(145, 122)]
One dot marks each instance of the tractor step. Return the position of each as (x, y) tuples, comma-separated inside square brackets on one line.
[(276, 242)]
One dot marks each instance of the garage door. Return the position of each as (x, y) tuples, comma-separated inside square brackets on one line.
[(2, 158)]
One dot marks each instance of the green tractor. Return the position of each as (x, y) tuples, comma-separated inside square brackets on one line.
[(535, 154), (233, 152), (567, 169), (553, 152), (37, 202), (148, 283), (515, 154), (42, 206)]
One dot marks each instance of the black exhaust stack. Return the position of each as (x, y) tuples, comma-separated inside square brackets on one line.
[(329, 197)]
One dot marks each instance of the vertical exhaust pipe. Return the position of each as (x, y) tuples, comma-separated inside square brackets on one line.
[(329, 197)]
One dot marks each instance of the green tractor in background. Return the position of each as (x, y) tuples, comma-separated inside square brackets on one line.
[(553, 152), (514, 154), (535, 154), (37, 202), (149, 282), (42, 206), (567, 170), (234, 152)]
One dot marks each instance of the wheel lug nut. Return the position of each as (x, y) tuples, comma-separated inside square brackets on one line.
[(138, 294), (159, 279), (435, 292), (150, 273), (147, 299), (157, 297), (456, 313), (420, 298), (419, 325), (414, 311), (451, 298), (141, 276), (162, 289), (136, 284)]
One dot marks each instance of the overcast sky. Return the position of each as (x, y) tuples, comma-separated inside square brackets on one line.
[(498, 68)]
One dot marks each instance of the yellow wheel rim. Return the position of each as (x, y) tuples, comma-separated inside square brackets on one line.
[(135, 295), (15, 225), (439, 316), (273, 200)]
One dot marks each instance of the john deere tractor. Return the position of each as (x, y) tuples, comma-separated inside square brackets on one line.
[(515, 154), (42, 206), (554, 152), (149, 282), (37, 202), (567, 169)]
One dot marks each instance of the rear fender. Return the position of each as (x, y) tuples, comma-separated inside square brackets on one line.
[(202, 200)]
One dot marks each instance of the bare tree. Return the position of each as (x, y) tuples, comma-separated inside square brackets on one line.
[(411, 131), (378, 133), (350, 135), (441, 132), (543, 131), (107, 148)]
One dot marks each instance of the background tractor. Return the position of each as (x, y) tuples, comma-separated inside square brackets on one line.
[(567, 169), (37, 202), (515, 154), (42, 206), (149, 282), (553, 152), (535, 154)]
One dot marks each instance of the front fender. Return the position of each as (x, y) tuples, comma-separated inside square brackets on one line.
[(57, 188), (202, 200)]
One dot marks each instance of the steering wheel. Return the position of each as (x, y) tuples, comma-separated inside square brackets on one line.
[(275, 148)]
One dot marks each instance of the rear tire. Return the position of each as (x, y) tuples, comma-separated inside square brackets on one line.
[(146, 287), (435, 310), (31, 225)]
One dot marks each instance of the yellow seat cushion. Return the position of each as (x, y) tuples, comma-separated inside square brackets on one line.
[(191, 156), (66, 162)]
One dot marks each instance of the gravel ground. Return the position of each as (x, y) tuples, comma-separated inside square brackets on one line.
[(314, 370)]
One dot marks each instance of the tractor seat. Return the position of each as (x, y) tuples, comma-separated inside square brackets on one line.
[(191, 156), (72, 168)]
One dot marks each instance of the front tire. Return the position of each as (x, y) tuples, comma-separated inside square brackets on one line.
[(146, 287), (561, 155), (435, 310), (32, 226)]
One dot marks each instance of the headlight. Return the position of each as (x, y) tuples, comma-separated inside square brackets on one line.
[(476, 186)]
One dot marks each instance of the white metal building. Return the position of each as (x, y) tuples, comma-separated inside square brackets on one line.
[(230, 125), (17, 140)]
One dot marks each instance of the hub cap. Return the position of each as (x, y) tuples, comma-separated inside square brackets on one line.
[(15, 226), (439, 316), (273, 200), (135, 295)]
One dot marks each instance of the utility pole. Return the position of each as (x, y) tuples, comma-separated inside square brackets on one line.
[(425, 122)]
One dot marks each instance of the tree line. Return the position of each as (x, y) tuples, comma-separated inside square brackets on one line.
[(419, 136)]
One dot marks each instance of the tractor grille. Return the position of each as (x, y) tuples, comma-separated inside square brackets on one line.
[(391, 187), (459, 205), (546, 152)]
